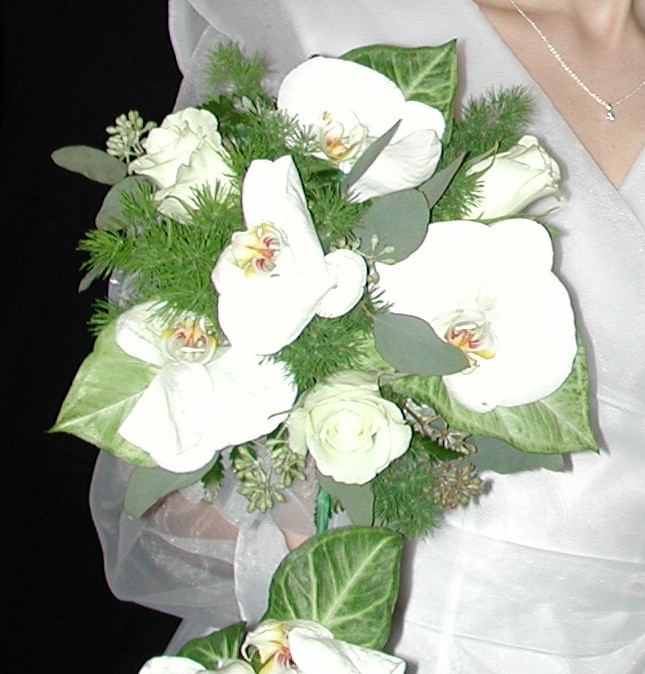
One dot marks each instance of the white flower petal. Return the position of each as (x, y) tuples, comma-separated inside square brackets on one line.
[(349, 273), (402, 165), (272, 193), (314, 655), (171, 664), (503, 273), (326, 84), (138, 333), (170, 418), (252, 395)]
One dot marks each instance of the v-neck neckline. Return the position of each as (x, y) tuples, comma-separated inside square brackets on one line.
[(537, 87)]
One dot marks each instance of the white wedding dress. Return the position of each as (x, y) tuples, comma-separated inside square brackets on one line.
[(546, 574)]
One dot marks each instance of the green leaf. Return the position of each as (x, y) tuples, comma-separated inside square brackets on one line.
[(90, 162), (424, 74), (224, 644), (356, 499), (500, 457), (147, 485), (323, 510), (368, 157), (346, 579), (556, 424), (398, 220), (91, 276), (104, 391), (111, 210), (434, 187), (411, 346)]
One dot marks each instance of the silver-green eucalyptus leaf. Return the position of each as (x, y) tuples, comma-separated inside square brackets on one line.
[(393, 226), (434, 187), (411, 346), (346, 579), (111, 210), (356, 499), (369, 156), (147, 485), (498, 456), (94, 164)]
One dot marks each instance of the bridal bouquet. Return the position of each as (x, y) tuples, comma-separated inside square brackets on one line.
[(321, 616), (336, 284)]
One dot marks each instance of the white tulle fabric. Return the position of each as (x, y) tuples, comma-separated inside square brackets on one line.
[(547, 574)]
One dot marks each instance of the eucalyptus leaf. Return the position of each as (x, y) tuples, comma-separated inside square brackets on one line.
[(498, 456), (112, 207), (411, 346), (147, 485), (556, 424), (91, 276), (424, 74), (356, 499), (369, 156), (346, 579), (94, 164), (434, 187), (398, 220), (224, 644), (104, 391)]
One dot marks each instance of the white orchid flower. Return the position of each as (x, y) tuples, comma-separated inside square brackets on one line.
[(349, 106), (274, 277), (203, 397), (490, 291), (172, 664), (307, 647)]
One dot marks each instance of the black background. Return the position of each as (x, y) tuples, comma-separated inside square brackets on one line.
[(69, 68)]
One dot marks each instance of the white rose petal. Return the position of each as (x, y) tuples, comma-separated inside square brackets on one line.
[(182, 155), (351, 431), (512, 180), (325, 93), (498, 280)]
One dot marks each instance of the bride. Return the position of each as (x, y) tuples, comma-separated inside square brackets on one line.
[(546, 574)]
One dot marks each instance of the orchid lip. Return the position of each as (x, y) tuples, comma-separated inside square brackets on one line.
[(190, 342)]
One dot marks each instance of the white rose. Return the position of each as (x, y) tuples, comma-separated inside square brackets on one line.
[(512, 180), (185, 153), (351, 431)]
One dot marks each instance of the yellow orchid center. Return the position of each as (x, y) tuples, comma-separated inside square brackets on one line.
[(472, 333), (256, 250), (190, 341), (341, 135), (279, 662)]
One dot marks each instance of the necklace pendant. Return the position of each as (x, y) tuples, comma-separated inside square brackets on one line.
[(610, 113)]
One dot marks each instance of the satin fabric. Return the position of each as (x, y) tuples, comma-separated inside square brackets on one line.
[(547, 573)]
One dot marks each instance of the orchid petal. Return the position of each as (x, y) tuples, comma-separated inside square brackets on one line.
[(171, 664), (402, 164), (502, 272), (137, 333), (169, 419), (313, 655), (349, 271), (326, 84)]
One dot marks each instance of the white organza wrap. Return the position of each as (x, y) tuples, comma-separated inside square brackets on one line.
[(211, 563)]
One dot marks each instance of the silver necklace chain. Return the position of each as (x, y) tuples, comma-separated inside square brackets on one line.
[(609, 107)]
